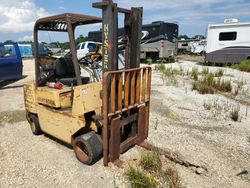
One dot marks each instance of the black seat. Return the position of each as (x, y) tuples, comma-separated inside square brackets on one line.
[(72, 81), (65, 71)]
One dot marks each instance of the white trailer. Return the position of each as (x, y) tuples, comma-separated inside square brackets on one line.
[(228, 42)]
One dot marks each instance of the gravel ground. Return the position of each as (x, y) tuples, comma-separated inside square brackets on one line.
[(178, 123)]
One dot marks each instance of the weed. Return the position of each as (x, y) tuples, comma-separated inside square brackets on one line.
[(141, 179), (223, 86), (172, 178), (169, 75), (181, 70), (194, 73), (205, 71), (236, 91), (240, 84), (161, 67), (234, 113), (208, 85), (151, 162), (156, 124), (219, 73), (207, 106), (202, 89), (243, 66)]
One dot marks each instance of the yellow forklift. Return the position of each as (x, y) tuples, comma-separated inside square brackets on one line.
[(100, 117)]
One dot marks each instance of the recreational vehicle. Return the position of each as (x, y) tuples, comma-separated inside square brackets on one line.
[(228, 42), (158, 39)]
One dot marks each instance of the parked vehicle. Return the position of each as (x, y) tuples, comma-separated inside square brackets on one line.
[(158, 39), (197, 47), (11, 66), (228, 42), (85, 47)]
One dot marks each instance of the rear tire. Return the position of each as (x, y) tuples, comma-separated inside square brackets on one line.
[(34, 125), (88, 148)]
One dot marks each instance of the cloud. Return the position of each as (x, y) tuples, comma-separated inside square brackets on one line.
[(26, 38), (62, 8), (192, 15), (19, 15)]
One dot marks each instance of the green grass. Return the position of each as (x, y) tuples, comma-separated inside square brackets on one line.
[(219, 73), (243, 66), (195, 73), (209, 85), (141, 179), (150, 173), (168, 75), (151, 162), (161, 67)]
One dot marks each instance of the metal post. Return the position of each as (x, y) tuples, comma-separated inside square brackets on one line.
[(37, 69), (73, 51), (107, 35), (136, 24)]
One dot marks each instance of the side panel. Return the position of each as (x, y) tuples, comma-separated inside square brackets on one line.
[(30, 98), (54, 97), (87, 98), (229, 55), (59, 124)]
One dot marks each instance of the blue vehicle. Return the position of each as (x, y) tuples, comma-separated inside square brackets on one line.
[(11, 65)]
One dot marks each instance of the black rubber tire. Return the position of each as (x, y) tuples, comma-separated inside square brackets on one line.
[(88, 148), (34, 125)]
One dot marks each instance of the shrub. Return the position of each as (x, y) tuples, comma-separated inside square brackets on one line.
[(234, 114), (219, 73), (194, 73), (172, 178), (151, 162), (205, 71), (208, 85), (243, 66), (140, 179)]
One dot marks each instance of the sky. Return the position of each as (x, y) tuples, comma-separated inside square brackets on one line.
[(17, 17)]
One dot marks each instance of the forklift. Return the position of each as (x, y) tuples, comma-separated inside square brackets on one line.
[(100, 117)]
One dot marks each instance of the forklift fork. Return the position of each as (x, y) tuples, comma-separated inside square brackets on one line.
[(125, 106)]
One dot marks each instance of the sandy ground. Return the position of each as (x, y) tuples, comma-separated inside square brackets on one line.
[(178, 123)]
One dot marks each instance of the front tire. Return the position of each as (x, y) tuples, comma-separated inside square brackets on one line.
[(88, 148)]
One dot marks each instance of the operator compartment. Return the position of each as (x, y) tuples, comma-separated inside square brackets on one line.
[(56, 98)]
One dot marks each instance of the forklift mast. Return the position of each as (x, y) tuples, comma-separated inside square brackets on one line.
[(126, 92), (132, 37)]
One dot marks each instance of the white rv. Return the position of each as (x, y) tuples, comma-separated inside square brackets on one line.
[(228, 42)]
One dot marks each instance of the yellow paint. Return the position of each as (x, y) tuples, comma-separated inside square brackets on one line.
[(87, 98), (54, 97), (61, 111)]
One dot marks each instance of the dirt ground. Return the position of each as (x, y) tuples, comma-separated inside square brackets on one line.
[(217, 148)]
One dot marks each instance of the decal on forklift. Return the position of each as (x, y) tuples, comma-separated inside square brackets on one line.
[(47, 101), (106, 46), (84, 91)]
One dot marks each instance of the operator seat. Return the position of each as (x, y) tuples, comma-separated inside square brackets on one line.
[(64, 70)]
